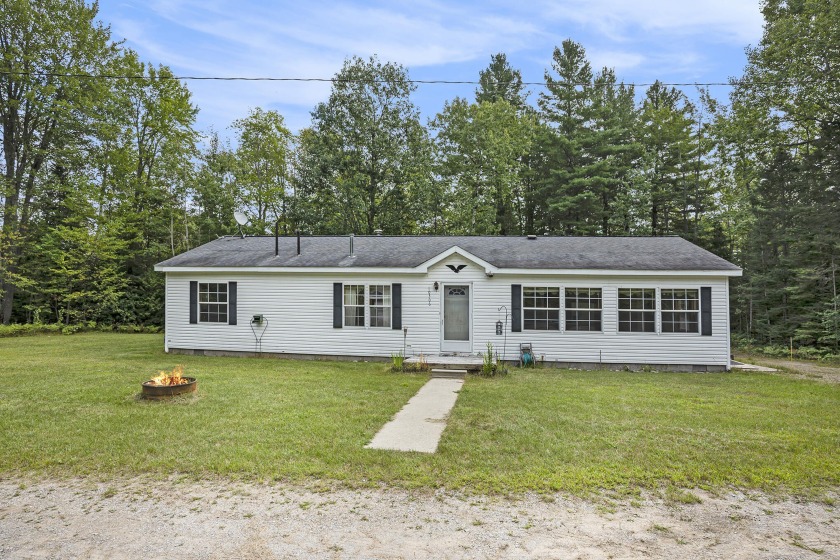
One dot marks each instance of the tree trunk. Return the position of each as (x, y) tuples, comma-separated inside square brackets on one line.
[(8, 299), (654, 219)]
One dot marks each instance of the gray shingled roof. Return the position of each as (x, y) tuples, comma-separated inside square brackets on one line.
[(605, 253)]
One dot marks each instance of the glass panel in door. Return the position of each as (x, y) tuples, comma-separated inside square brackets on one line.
[(456, 313)]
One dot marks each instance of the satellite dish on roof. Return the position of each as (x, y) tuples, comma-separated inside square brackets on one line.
[(241, 219)]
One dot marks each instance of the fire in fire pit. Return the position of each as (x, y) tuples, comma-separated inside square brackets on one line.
[(169, 384), (175, 377)]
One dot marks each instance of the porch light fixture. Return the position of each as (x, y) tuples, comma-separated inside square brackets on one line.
[(436, 286)]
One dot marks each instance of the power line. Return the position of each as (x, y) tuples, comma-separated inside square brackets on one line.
[(732, 83)]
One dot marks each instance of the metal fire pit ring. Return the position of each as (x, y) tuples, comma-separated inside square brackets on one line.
[(159, 392)]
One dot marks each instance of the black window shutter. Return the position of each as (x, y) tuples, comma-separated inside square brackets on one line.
[(706, 311), (516, 307), (193, 302), (396, 306), (231, 303), (338, 297)]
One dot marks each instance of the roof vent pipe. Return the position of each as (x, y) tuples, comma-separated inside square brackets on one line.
[(277, 238), (351, 245), (298, 240), (378, 232)]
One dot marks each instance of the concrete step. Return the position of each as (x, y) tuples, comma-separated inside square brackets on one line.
[(449, 373), (455, 366), (470, 363)]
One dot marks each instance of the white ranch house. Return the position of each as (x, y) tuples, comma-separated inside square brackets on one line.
[(579, 301)]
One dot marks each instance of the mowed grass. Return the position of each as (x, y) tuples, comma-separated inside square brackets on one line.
[(69, 406)]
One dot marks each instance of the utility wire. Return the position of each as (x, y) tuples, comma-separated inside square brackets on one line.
[(732, 83)]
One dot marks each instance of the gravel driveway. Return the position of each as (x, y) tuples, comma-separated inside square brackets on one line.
[(811, 370), (144, 518)]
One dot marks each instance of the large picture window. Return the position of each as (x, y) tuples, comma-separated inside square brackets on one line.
[(637, 310), (583, 309), (680, 311), (380, 305), (212, 302), (354, 305), (541, 309)]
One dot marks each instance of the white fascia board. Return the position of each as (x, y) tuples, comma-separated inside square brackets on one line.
[(289, 269), (423, 269), (614, 272), (488, 268)]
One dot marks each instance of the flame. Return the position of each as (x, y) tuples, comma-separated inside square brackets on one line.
[(175, 377)]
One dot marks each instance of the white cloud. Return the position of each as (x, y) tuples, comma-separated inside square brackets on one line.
[(219, 38), (645, 38), (737, 21), (616, 59), (433, 35)]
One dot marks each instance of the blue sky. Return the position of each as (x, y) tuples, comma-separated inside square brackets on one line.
[(644, 40)]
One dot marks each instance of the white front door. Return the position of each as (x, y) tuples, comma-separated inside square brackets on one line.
[(456, 318)]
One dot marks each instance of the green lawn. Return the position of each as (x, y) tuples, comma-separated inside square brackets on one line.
[(68, 405)]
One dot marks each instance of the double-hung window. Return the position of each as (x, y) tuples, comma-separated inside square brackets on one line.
[(637, 310), (541, 308), (213, 302), (583, 309), (367, 305), (380, 305), (354, 305), (680, 311)]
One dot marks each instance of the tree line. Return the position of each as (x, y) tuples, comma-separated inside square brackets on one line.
[(101, 178)]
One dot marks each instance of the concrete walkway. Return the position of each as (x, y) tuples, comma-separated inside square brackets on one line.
[(420, 423), (749, 367)]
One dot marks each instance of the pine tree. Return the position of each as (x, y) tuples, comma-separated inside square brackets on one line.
[(500, 82), (567, 108), (785, 115), (615, 152), (672, 163), (588, 150)]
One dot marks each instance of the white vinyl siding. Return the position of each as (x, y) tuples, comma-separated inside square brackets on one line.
[(299, 310), (213, 302)]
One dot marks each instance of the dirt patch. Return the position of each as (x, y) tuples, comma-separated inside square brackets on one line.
[(188, 520), (810, 370)]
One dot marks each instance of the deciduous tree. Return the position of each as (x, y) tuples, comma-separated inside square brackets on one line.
[(260, 168), (479, 152), (370, 151), (46, 109)]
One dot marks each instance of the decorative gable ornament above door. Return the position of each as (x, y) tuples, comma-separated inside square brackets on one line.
[(456, 268)]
